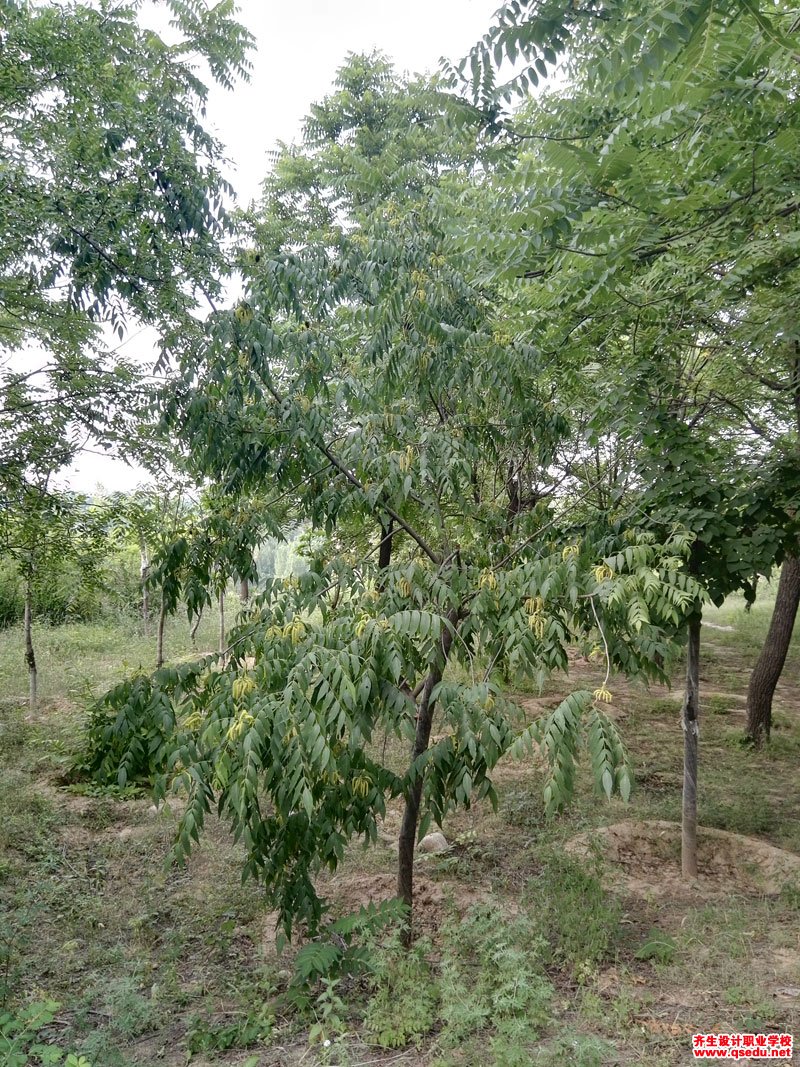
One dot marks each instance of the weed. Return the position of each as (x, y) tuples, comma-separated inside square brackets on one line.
[(576, 1050), (28, 817), (241, 1031), (740, 816), (781, 721), (14, 730), (575, 914), (403, 1005), (329, 1012), (718, 704), (102, 790), (658, 947), (623, 1011), (492, 979), (790, 895), (341, 954), (23, 1038), (660, 707)]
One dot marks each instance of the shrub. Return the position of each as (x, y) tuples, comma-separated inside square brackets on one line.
[(134, 729)]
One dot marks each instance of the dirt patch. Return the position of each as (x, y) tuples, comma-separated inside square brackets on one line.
[(644, 859), (433, 901)]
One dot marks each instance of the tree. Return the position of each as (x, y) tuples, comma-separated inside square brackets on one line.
[(40, 528), (651, 211), (367, 379), (769, 665), (156, 517), (113, 213), (113, 210)]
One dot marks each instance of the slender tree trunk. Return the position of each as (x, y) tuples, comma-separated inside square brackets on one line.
[(413, 797), (144, 571), (769, 664), (30, 656), (690, 721), (222, 620), (195, 627), (162, 618), (244, 590)]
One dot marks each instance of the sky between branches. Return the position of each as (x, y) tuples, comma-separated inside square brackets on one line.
[(299, 47)]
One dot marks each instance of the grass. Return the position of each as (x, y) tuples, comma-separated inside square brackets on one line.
[(81, 659), (537, 964)]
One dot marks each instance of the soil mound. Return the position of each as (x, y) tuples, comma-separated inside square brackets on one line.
[(645, 859)]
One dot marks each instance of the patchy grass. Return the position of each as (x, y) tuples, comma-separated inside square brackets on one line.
[(528, 959), (78, 660)]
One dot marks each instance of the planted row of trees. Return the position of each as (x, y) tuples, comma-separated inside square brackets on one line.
[(528, 373)]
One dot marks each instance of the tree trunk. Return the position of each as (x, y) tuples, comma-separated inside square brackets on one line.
[(162, 618), (222, 620), (769, 664), (144, 572), (30, 656), (244, 590), (413, 797), (689, 720), (195, 626)]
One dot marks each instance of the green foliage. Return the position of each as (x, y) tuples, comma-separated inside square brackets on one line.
[(209, 1036), (492, 980), (124, 192), (119, 181), (342, 953), (402, 1007), (576, 1050), (559, 735), (740, 815), (790, 895), (66, 589), (330, 1010), (134, 729), (658, 946), (626, 187), (577, 918), (131, 1012), (23, 1038), (367, 379)]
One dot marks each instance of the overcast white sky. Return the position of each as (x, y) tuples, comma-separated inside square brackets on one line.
[(299, 47)]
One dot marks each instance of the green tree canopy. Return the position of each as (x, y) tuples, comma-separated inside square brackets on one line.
[(114, 205), (367, 378)]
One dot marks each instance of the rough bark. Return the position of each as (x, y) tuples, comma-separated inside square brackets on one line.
[(769, 664), (690, 716), (244, 590), (162, 618), (30, 655), (413, 797)]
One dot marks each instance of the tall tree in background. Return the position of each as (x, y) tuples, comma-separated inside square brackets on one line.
[(41, 530)]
